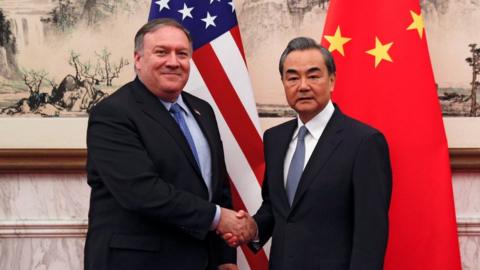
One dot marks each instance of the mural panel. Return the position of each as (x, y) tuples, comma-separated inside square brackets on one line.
[(58, 58)]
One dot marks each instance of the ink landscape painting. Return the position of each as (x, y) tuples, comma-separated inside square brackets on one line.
[(58, 58)]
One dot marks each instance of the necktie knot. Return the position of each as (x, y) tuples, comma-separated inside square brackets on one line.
[(175, 108), (302, 132)]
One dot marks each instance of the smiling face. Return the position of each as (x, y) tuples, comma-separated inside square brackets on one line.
[(163, 64), (306, 81)]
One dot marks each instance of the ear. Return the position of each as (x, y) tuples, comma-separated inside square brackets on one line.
[(332, 78), (136, 57)]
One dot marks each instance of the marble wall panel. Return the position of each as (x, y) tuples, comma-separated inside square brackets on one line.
[(41, 254), (43, 197), (466, 191), (43, 220), (470, 252)]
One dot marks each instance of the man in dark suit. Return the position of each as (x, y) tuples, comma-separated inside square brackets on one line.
[(156, 167), (327, 184)]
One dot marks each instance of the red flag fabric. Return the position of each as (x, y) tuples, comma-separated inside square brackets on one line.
[(385, 78)]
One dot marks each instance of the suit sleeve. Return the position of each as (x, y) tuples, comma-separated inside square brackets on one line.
[(264, 216), (372, 185), (117, 156)]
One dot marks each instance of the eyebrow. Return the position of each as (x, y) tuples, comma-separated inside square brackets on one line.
[(294, 71), (291, 71), (167, 48), (314, 69)]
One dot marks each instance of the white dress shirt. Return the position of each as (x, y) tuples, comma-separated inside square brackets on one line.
[(315, 128)]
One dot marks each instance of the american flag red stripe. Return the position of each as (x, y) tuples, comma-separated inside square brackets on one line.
[(238, 167), (238, 40), (245, 188), (219, 75), (245, 174), (231, 107)]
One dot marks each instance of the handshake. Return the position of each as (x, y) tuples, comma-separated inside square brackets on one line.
[(236, 228)]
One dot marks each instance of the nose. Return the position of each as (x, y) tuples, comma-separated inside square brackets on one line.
[(304, 86), (172, 60)]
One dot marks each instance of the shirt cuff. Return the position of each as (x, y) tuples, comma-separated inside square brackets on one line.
[(216, 218), (256, 239)]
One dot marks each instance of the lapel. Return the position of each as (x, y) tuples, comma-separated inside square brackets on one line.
[(326, 145), (153, 108), (278, 152)]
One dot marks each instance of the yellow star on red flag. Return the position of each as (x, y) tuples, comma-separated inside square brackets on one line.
[(417, 23), (380, 51), (337, 41)]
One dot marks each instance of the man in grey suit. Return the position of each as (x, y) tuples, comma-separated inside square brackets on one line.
[(327, 185)]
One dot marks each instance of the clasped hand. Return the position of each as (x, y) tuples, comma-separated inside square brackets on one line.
[(236, 228)]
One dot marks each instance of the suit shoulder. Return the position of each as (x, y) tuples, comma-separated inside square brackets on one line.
[(194, 99), (197, 102), (117, 99), (282, 128), (362, 133), (359, 127)]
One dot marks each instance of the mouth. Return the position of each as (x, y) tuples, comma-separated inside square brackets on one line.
[(171, 73), (301, 99)]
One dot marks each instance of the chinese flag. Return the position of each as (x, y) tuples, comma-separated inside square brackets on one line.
[(385, 79)]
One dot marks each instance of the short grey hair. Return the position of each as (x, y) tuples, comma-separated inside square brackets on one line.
[(154, 25), (305, 43)]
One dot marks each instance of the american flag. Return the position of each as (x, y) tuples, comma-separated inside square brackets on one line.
[(219, 75)]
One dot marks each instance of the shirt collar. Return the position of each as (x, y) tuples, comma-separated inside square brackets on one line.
[(179, 101), (317, 124)]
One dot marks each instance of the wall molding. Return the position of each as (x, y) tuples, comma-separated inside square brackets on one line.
[(467, 226), (465, 159), (42, 160), (73, 160), (43, 229)]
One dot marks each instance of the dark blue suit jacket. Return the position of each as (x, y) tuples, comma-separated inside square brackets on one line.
[(149, 205)]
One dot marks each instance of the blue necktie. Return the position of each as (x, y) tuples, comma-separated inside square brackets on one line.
[(296, 165), (176, 110)]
